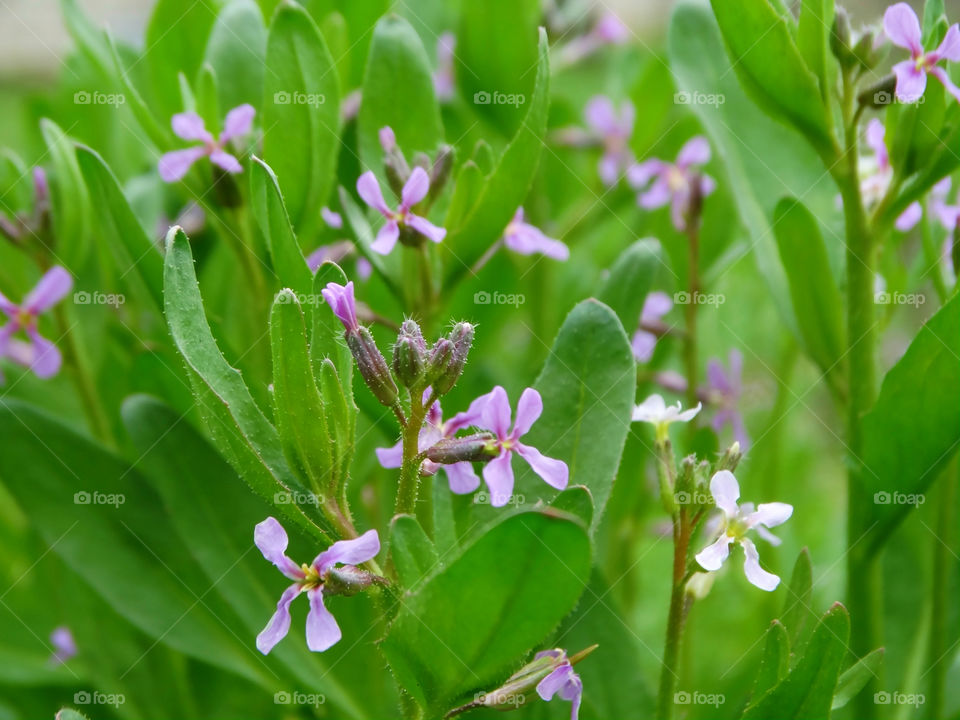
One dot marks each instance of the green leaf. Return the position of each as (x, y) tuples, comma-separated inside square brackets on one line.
[(775, 661), (271, 215), (466, 190), (496, 53), (630, 279), (813, 41), (236, 51), (300, 414), (301, 102), (817, 302), (858, 675), (99, 515), (136, 258), (397, 92), (237, 424), (576, 500), (588, 385), (524, 575), (771, 69), (69, 199), (806, 693), (914, 428), (506, 186), (341, 421), (797, 605), (413, 555), (159, 132)]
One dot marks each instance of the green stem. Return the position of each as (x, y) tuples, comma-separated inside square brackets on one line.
[(410, 468), (939, 630), (690, 311), (675, 619)]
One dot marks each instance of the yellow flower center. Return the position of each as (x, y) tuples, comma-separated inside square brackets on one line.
[(311, 577)]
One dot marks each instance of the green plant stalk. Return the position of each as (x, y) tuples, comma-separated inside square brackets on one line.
[(940, 597), (412, 460), (690, 311), (669, 671)]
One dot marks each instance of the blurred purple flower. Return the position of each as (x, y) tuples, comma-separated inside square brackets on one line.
[(608, 30), (901, 25), (443, 79), (322, 629), (876, 173), (64, 646), (524, 238), (331, 218), (461, 476), (655, 306), (673, 182), (723, 391), (734, 524), (492, 412), (415, 190), (563, 681), (189, 126), (39, 354), (341, 301), (613, 130)]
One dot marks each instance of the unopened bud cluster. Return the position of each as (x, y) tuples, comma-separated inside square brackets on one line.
[(418, 367)]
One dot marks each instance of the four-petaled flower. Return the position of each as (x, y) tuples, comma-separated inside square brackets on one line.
[(526, 239), (734, 524), (494, 415), (322, 629), (414, 190), (723, 390), (655, 306), (39, 354), (462, 477), (563, 681), (901, 25), (656, 412), (673, 182), (189, 126), (613, 130)]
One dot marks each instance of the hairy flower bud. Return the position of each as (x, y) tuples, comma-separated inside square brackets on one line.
[(730, 459), (372, 365), (348, 580), (439, 358), (440, 172), (840, 44), (409, 353), (461, 338), (479, 447)]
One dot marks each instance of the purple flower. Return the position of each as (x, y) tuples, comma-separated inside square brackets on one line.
[(524, 238), (443, 83), (614, 131), (415, 190), (877, 173), (322, 629), (901, 25), (331, 218), (388, 139), (655, 306), (39, 354), (724, 390), (673, 182), (341, 301), (64, 646), (494, 415), (563, 681), (189, 126), (608, 30), (461, 475)]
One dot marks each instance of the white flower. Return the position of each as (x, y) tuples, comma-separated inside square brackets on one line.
[(735, 523), (655, 411)]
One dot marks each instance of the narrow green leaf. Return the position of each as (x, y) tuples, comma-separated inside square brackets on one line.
[(630, 279), (301, 102), (775, 661), (236, 51), (854, 678), (797, 610), (413, 555), (813, 41), (466, 190), (524, 575), (70, 201), (341, 423)]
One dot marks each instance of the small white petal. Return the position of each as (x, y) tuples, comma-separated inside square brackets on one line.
[(770, 514), (713, 556), (688, 415), (726, 491), (751, 567), (767, 535), (650, 410)]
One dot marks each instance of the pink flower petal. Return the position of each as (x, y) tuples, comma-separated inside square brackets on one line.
[(279, 625), (529, 408), (495, 416), (901, 25), (498, 475), (462, 477), (189, 126), (911, 82), (349, 552), (426, 228), (239, 121), (51, 288), (415, 189), (552, 471), (271, 539), (950, 47), (174, 165), (368, 188), (696, 151), (46, 359), (322, 629), (391, 457), (386, 238)]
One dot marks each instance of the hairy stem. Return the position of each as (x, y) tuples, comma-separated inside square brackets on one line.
[(410, 468), (675, 619)]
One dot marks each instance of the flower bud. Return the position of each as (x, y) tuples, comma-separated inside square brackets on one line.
[(372, 365), (348, 580), (470, 448), (460, 338), (730, 459), (840, 44), (409, 353), (440, 172), (686, 478), (439, 358)]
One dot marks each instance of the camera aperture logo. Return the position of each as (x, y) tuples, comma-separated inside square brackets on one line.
[(86, 97), (699, 98), (297, 498), (683, 697), (82, 297), (85, 697), (898, 498), (299, 698), (699, 298), (282, 97), (483, 297), (84, 497), (483, 97)]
